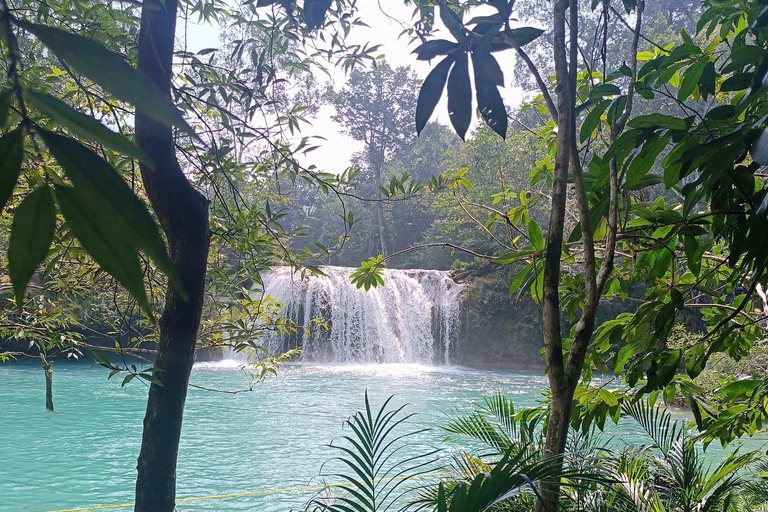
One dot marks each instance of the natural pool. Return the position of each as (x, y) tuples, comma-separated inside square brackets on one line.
[(84, 454)]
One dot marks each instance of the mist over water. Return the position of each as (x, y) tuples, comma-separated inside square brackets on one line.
[(413, 318)]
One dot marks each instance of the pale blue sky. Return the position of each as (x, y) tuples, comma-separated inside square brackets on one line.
[(334, 154)]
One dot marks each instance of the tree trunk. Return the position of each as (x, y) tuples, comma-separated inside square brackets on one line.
[(380, 215), (183, 215), (378, 163), (562, 391), (48, 369)]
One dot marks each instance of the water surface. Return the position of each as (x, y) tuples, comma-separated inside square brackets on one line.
[(272, 438), (249, 444)]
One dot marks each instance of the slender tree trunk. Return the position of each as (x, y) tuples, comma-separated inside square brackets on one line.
[(183, 215), (378, 164), (48, 369), (562, 395), (380, 216)]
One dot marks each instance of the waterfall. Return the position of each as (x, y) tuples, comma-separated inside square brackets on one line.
[(414, 318)]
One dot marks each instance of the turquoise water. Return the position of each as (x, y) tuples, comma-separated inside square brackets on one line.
[(84, 454), (273, 438)]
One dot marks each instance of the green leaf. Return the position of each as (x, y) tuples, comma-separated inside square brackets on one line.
[(111, 72), (737, 82), (658, 121), (643, 162), (721, 113), (432, 49), (488, 76), (524, 35), (441, 500), (534, 232), (608, 397), (691, 245), (691, 79), (431, 91), (109, 197), (460, 96), (707, 80), (34, 223), (741, 388), (645, 55), (84, 125), (663, 368), (695, 360), (128, 378), (103, 243), (663, 260), (452, 21), (511, 257), (604, 90), (520, 278), (101, 359), (592, 120), (5, 105), (11, 155), (623, 356), (314, 12)]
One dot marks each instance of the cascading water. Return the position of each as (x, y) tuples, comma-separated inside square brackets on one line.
[(413, 318)]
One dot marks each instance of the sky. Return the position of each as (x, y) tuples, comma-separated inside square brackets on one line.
[(382, 17)]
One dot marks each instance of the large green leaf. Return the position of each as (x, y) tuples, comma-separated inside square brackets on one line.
[(11, 155), (658, 121), (592, 120), (525, 35), (109, 71), (5, 105), (707, 80), (84, 125), (741, 388), (460, 96), (488, 76), (106, 246), (431, 91), (691, 246), (109, 196), (534, 232), (314, 12), (663, 367), (34, 223), (691, 79), (433, 48), (643, 162), (737, 82), (663, 260)]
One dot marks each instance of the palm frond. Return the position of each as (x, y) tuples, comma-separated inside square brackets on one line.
[(374, 462), (656, 422), (497, 425)]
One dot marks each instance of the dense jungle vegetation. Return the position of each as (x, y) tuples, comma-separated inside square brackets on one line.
[(145, 188)]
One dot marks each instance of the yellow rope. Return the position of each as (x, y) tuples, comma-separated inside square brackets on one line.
[(237, 495)]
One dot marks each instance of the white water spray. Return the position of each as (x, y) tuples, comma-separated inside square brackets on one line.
[(414, 318)]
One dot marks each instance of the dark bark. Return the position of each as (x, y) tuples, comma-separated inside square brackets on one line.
[(48, 369), (183, 215), (563, 374), (560, 409)]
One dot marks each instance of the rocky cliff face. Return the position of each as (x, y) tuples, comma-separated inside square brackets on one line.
[(498, 330)]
